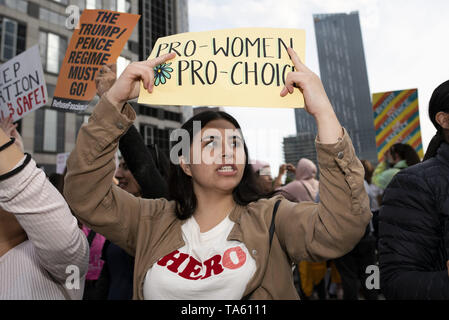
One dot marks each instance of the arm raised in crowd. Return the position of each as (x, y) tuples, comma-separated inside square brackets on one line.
[(88, 188), (331, 228), (42, 212), (132, 147)]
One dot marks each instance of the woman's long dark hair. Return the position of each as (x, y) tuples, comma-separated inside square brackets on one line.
[(405, 152), (181, 186), (438, 102)]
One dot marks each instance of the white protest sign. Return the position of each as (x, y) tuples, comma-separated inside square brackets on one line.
[(61, 162), (22, 85)]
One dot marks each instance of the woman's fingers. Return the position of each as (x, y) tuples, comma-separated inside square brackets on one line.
[(284, 92), (299, 66), (145, 73), (127, 85), (144, 69), (159, 60), (294, 80)]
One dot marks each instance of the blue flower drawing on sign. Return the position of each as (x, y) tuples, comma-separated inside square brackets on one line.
[(162, 73)]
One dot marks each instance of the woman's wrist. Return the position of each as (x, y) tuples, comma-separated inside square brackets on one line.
[(112, 100), (329, 128), (10, 156)]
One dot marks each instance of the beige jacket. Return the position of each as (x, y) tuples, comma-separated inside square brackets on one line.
[(149, 229)]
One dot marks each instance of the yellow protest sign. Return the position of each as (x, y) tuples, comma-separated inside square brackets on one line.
[(236, 67)]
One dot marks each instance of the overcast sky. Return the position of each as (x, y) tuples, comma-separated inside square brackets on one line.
[(405, 41)]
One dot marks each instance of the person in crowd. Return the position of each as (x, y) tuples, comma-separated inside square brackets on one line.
[(43, 253), (352, 266), (94, 289), (142, 172), (305, 188), (283, 169), (373, 191), (262, 170), (375, 195), (413, 219), (183, 247), (397, 157)]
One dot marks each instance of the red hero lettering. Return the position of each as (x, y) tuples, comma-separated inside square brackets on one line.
[(232, 258)]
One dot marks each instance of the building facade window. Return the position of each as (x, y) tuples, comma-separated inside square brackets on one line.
[(93, 4), (19, 5), (122, 63), (52, 48), (80, 120), (61, 1), (147, 132), (114, 5), (158, 137), (52, 17), (124, 6), (49, 131), (12, 38)]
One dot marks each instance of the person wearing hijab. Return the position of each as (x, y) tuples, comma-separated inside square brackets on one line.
[(413, 219), (305, 187)]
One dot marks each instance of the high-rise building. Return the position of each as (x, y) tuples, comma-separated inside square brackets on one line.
[(300, 146), (160, 18), (49, 131), (344, 76)]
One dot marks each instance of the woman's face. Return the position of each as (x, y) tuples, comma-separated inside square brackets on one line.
[(126, 180), (217, 157)]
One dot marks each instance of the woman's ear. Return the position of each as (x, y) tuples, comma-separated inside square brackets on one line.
[(442, 118), (184, 166)]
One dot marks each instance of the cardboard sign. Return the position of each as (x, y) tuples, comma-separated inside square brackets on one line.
[(236, 67), (396, 120), (22, 85), (101, 36)]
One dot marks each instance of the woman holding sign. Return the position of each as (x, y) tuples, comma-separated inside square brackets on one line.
[(219, 238)]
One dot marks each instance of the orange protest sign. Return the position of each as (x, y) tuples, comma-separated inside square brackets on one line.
[(99, 40)]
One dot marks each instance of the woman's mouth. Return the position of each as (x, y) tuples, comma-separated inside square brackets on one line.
[(227, 170)]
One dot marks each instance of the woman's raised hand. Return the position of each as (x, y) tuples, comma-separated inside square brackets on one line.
[(315, 99), (127, 85)]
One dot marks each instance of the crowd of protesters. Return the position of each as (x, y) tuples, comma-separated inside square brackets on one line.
[(153, 228)]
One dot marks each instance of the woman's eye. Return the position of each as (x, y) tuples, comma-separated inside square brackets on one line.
[(236, 143), (211, 144)]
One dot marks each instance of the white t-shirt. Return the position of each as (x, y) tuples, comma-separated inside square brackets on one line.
[(208, 267)]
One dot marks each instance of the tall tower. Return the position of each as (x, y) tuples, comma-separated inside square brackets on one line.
[(160, 18), (344, 76)]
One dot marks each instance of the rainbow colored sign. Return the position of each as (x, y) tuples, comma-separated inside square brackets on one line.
[(396, 119)]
